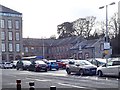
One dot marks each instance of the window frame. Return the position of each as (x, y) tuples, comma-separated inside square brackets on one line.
[(17, 36), (17, 24), (10, 48), (10, 35), (2, 23), (9, 24)]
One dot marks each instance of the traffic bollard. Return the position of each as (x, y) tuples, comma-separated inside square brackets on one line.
[(31, 84), (18, 84), (52, 87)]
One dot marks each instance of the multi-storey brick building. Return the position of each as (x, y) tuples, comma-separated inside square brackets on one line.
[(11, 33)]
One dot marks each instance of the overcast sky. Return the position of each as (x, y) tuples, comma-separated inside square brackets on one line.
[(41, 17)]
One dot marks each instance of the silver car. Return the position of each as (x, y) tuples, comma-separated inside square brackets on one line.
[(112, 68), (81, 67)]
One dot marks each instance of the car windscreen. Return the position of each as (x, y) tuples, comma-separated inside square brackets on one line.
[(39, 62), (26, 62), (83, 62)]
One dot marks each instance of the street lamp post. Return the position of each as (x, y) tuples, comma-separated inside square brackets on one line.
[(106, 44), (107, 18)]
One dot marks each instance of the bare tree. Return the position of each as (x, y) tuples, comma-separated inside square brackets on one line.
[(113, 26), (90, 24), (84, 26)]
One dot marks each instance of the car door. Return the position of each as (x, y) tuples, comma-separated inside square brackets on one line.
[(115, 68), (111, 69), (72, 66), (77, 67), (32, 66)]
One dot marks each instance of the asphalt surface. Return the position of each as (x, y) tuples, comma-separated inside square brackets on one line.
[(60, 79)]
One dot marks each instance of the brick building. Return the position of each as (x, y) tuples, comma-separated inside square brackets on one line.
[(71, 47), (11, 33), (50, 48)]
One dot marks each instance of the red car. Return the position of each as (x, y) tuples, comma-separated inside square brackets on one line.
[(62, 63)]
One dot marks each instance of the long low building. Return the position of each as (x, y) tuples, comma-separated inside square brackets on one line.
[(71, 47)]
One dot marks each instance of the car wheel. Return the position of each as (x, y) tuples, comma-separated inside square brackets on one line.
[(119, 75), (57, 68), (99, 73), (35, 70), (68, 71), (45, 70), (81, 72), (17, 68), (50, 68)]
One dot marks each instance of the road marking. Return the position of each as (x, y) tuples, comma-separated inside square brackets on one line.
[(71, 85), (54, 74), (41, 80)]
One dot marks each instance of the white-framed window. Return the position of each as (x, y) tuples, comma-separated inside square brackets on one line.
[(10, 35), (10, 47), (26, 49), (17, 47), (17, 24), (17, 36), (9, 24), (2, 35), (3, 47), (2, 23)]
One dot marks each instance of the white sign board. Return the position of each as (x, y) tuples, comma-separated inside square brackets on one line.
[(106, 46)]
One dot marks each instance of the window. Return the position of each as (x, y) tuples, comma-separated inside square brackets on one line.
[(3, 47), (18, 47), (2, 23), (9, 24), (17, 24), (2, 35), (17, 36), (26, 49), (10, 47), (101, 47), (10, 35)]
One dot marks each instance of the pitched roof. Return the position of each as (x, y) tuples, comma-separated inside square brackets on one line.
[(51, 42), (4, 9), (85, 44)]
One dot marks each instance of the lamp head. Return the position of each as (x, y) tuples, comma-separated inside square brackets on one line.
[(112, 3), (101, 7)]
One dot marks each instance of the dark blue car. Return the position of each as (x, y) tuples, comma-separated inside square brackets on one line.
[(52, 65)]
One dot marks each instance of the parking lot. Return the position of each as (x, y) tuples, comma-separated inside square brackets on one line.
[(59, 78)]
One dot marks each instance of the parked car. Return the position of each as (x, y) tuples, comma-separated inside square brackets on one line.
[(81, 67), (97, 61), (52, 64), (38, 65), (63, 62), (23, 64), (112, 68), (6, 65), (14, 63)]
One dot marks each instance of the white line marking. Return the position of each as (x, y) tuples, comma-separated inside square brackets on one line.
[(71, 85), (43, 80)]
